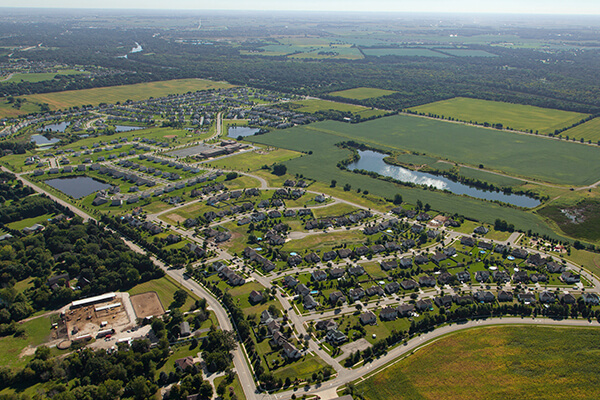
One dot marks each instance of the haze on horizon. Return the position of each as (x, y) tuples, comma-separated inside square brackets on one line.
[(575, 7)]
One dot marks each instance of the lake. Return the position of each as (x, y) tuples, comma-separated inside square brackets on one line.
[(78, 186), (57, 127), (373, 161), (236, 131), (41, 141), (126, 128)]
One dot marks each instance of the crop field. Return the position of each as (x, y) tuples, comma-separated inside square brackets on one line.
[(39, 77), (589, 130), (314, 105), (513, 116), (321, 138), (8, 111), (495, 363), (468, 53), (362, 93), (402, 52), (514, 154), (140, 91)]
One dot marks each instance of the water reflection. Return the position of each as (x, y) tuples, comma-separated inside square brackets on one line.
[(373, 161)]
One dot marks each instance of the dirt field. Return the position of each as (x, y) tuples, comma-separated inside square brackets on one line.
[(87, 321), (146, 305)]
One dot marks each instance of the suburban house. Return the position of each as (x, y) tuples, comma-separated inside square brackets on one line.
[(388, 314), (427, 280), (503, 295), (336, 337), (423, 305), (326, 325), (368, 318), (256, 297), (406, 310), (408, 284), (392, 287), (569, 277)]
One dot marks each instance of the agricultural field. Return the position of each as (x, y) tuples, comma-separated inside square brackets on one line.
[(514, 154), (321, 138), (8, 111), (362, 93), (314, 105), (589, 130), (513, 116), (495, 363), (467, 53), (403, 52), (140, 91), (39, 77)]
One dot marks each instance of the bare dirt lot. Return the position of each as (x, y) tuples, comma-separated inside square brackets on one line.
[(146, 305), (88, 320)]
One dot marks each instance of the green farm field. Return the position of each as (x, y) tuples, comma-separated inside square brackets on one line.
[(314, 105), (514, 116), (467, 53), (517, 155), (589, 130), (113, 94), (403, 52), (495, 363), (321, 138), (42, 76), (362, 93)]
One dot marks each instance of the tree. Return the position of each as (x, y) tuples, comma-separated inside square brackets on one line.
[(347, 187), (231, 176), (179, 298), (397, 199), (279, 169), (334, 182)]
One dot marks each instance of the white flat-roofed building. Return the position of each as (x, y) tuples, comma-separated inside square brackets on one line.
[(93, 300)]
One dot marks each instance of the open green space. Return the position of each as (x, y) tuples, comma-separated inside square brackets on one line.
[(581, 220), (36, 332), (165, 287), (315, 105), (513, 116), (514, 154), (422, 134), (589, 130), (495, 363), (24, 223), (362, 93), (41, 76), (333, 210), (467, 53), (8, 111), (253, 160), (139, 91), (402, 52)]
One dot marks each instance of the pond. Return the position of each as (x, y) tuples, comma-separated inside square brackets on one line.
[(373, 161), (126, 128), (41, 141), (57, 127), (77, 186), (236, 131)]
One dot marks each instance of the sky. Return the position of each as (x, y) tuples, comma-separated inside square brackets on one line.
[(585, 7)]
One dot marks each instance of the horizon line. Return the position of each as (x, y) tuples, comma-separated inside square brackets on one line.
[(82, 8)]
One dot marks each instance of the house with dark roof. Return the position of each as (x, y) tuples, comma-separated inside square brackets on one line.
[(326, 325), (547, 297), (504, 295), (569, 277), (357, 293), (388, 265), (335, 297), (463, 276), (392, 287), (374, 290), (482, 276), (484, 297), (336, 337), (319, 275), (408, 284), (424, 304), (405, 310), (443, 301), (368, 318), (568, 298), (388, 314), (427, 280), (467, 241)]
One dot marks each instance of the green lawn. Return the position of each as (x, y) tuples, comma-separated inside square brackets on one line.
[(495, 363), (253, 160), (362, 93), (515, 116), (139, 91), (179, 351), (37, 331), (334, 210), (18, 225), (235, 386), (165, 287)]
